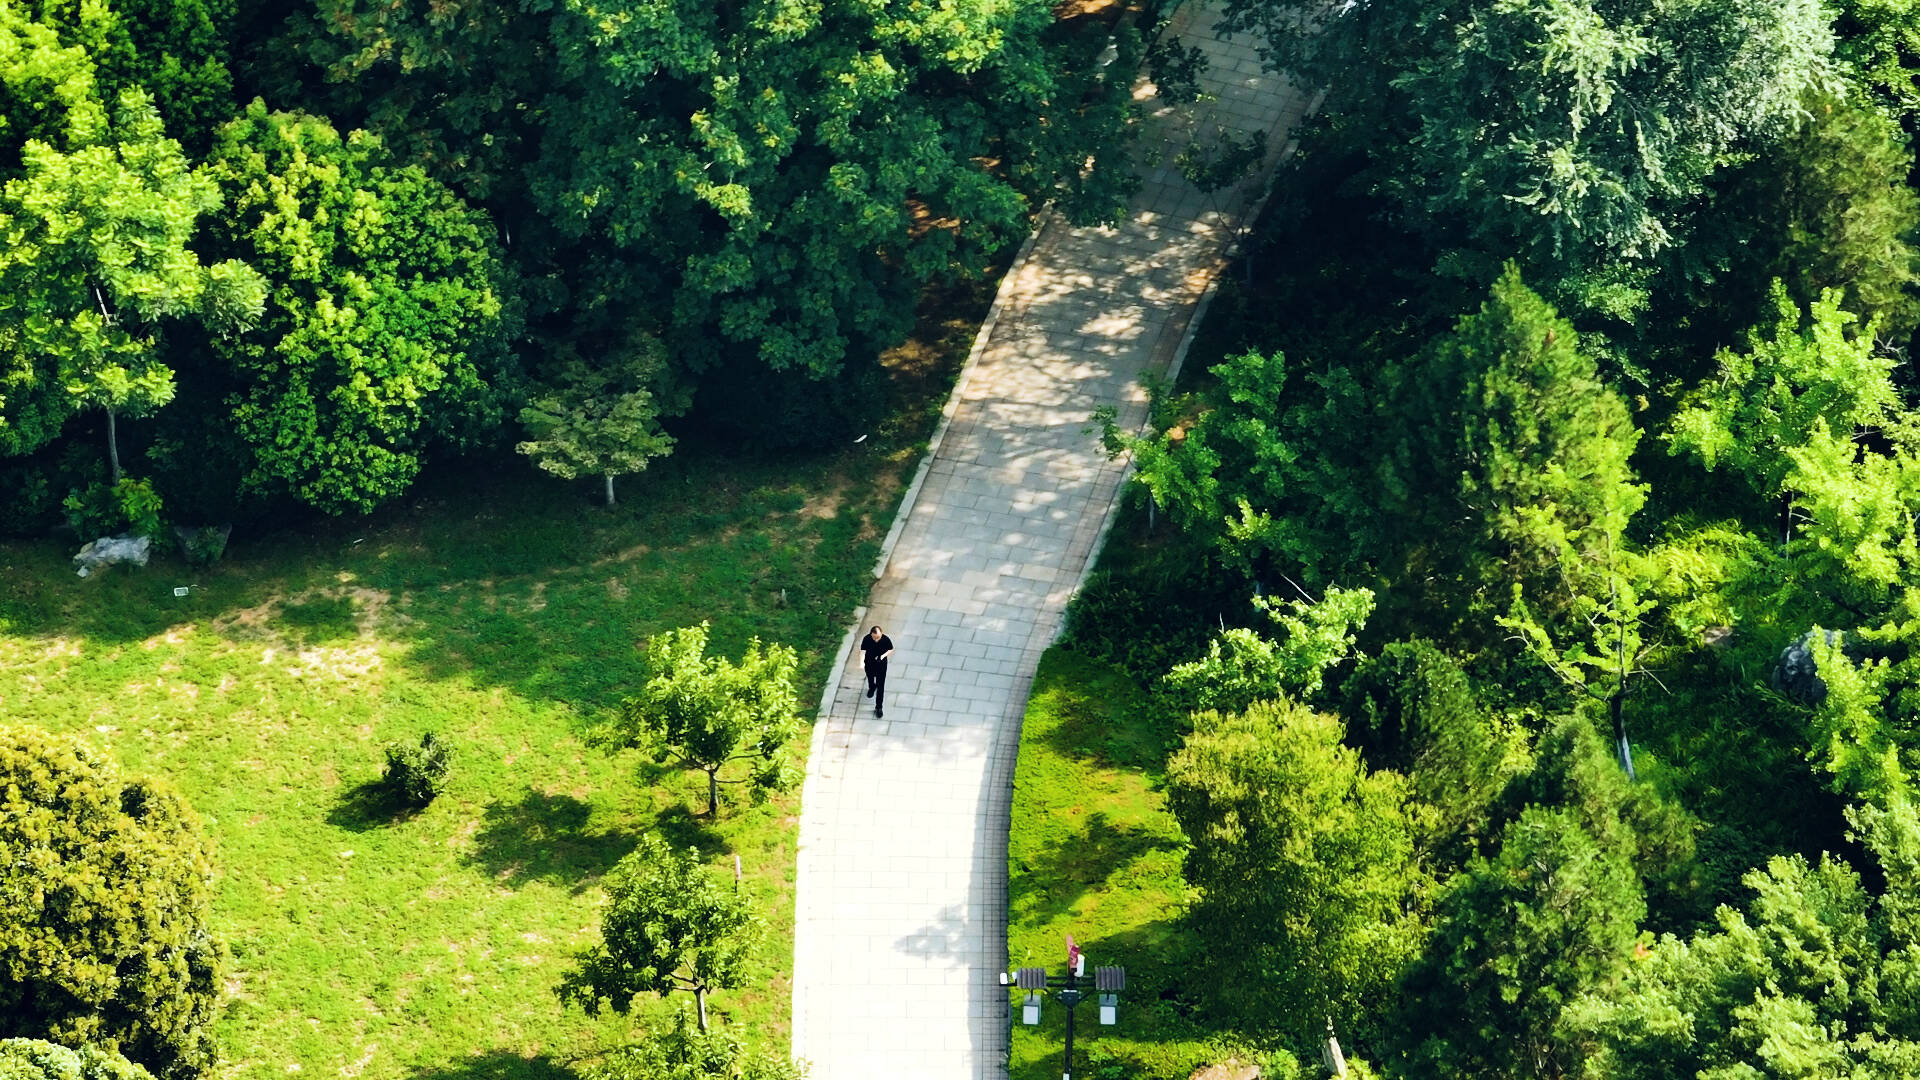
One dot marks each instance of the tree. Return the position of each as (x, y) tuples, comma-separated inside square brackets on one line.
[(1516, 938), (1880, 40), (1412, 710), (1833, 210), (176, 51), (1812, 978), (1573, 132), (97, 217), (386, 328), (595, 423), (763, 182), (1241, 667), (684, 1052), (104, 909), (670, 924), (707, 712), (1304, 864), (31, 1059)]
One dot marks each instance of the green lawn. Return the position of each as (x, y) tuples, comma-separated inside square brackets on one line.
[(1096, 853), (503, 611)]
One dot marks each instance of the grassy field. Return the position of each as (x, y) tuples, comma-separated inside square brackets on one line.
[(1096, 853), (502, 611)]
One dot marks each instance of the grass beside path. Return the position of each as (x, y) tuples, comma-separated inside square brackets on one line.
[(1096, 853), (503, 612)]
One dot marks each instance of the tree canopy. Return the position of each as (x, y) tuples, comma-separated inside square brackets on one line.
[(105, 935)]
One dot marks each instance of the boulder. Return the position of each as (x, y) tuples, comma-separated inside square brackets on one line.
[(112, 549), (1797, 675)]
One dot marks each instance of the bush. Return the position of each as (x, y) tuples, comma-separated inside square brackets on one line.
[(417, 774), (31, 1059), (104, 907), (130, 506)]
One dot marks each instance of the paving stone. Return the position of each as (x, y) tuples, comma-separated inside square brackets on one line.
[(900, 921)]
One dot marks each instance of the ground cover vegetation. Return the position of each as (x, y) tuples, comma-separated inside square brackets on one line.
[(1507, 658), (388, 729)]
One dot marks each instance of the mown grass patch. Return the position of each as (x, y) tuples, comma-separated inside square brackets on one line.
[(1094, 852), (503, 611)]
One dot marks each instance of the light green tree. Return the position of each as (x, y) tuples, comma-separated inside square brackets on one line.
[(386, 328), (598, 421), (1304, 864), (685, 1052), (1242, 667), (97, 219), (708, 713), (32, 1059), (105, 909), (670, 924)]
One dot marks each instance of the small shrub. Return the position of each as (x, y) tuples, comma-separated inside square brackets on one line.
[(203, 546), (130, 506), (417, 774)]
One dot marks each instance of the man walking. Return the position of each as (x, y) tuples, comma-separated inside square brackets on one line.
[(874, 650)]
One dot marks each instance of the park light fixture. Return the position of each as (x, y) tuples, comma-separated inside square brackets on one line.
[(1069, 989)]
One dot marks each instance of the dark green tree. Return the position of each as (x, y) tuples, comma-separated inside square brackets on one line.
[(767, 181), (670, 924), (1571, 132), (104, 909)]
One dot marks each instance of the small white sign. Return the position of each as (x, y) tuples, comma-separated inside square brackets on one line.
[(181, 590)]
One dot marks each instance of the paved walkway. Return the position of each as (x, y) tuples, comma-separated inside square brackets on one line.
[(901, 920)]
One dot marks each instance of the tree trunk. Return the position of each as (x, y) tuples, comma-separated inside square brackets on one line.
[(1616, 705), (609, 489), (700, 999), (113, 446), (713, 793)]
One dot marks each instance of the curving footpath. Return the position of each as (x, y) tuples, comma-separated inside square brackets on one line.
[(902, 889)]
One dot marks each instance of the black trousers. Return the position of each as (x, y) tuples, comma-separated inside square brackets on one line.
[(877, 682)]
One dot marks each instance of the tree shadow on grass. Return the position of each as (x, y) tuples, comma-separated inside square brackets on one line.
[(369, 806), (1056, 876), (544, 837), (500, 1065)]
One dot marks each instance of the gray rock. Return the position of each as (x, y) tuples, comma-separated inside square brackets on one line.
[(1796, 675), (112, 549)]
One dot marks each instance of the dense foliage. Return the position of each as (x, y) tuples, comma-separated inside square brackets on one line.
[(104, 903), (1585, 350), (448, 230)]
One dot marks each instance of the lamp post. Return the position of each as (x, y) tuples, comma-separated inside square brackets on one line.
[(1069, 989)]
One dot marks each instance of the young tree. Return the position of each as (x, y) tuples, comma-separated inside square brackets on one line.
[(387, 326), (1241, 667), (1304, 863), (104, 909), (597, 422), (670, 924), (706, 712)]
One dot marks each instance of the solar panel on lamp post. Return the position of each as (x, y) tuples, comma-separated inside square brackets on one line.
[(1069, 989)]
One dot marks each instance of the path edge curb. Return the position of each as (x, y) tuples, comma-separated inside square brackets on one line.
[(816, 747)]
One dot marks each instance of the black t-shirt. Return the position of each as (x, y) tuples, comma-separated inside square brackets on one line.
[(871, 651)]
